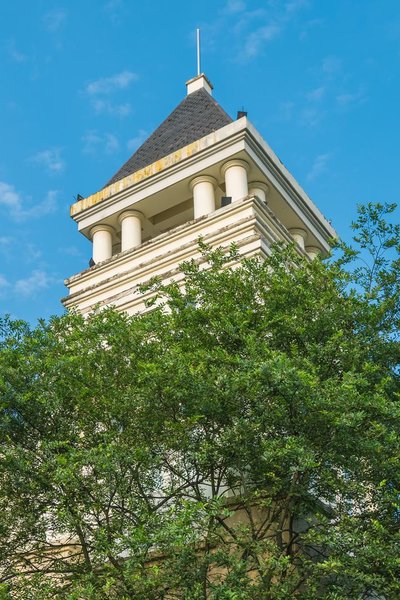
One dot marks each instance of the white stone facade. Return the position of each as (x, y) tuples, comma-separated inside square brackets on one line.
[(226, 187)]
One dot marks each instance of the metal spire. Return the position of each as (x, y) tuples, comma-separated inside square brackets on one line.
[(198, 52)]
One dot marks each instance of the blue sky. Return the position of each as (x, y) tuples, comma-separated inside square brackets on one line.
[(83, 84)]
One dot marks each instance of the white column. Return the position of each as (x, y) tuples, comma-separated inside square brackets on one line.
[(235, 173), (299, 236), (260, 189), (102, 242), (203, 188), (131, 229), (313, 251)]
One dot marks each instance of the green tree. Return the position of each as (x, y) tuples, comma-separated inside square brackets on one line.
[(239, 441)]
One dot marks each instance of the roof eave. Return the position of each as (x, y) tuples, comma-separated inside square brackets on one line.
[(155, 168), (240, 130)]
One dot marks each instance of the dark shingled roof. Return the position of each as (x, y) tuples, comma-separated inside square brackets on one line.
[(196, 116)]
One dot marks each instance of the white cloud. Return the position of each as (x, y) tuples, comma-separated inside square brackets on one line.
[(108, 85), (112, 143), (4, 285), (233, 7), (70, 251), (6, 247), (28, 286), (311, 116), (349, 98), (14, 53), (286, 110), (316, 95), (99, 91), (331, 65), (19, 208), (54, 19), (91, 142), (137, 141), (50, 159), (5, 241), (9, 197), (276, 20), (245, 19), (115, 10), (294, 5), (32, 253), (318, 167), (256, 40), (95, 142), (105, 106), (309, 26), (46, 207), (112, 5)]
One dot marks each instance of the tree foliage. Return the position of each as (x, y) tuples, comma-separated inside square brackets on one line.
[(238, 441)]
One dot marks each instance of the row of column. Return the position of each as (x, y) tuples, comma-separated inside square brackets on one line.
[(203, 188), (131, 235), (300, 237), (236, 187)]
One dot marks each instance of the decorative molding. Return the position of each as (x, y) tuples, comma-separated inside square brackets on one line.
[(201, 179), (101, 227), (130, 213)]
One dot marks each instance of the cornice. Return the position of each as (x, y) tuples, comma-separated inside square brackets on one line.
[(175, 256), (293, 190), (131, 294), (164, 239), (161, 169), (260, 222), (173, 164)]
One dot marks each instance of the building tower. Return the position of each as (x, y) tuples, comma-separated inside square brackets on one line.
[(200, 174)]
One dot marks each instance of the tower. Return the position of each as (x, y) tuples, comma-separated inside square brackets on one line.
[(199, 174)]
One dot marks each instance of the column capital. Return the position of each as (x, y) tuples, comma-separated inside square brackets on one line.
[(203, 179), (235, 162), (297, 231), (101, 227), (260, 185), (130, 213), (313, 251), (259, 189)]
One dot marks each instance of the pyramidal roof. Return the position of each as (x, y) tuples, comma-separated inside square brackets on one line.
[(196, 116)]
